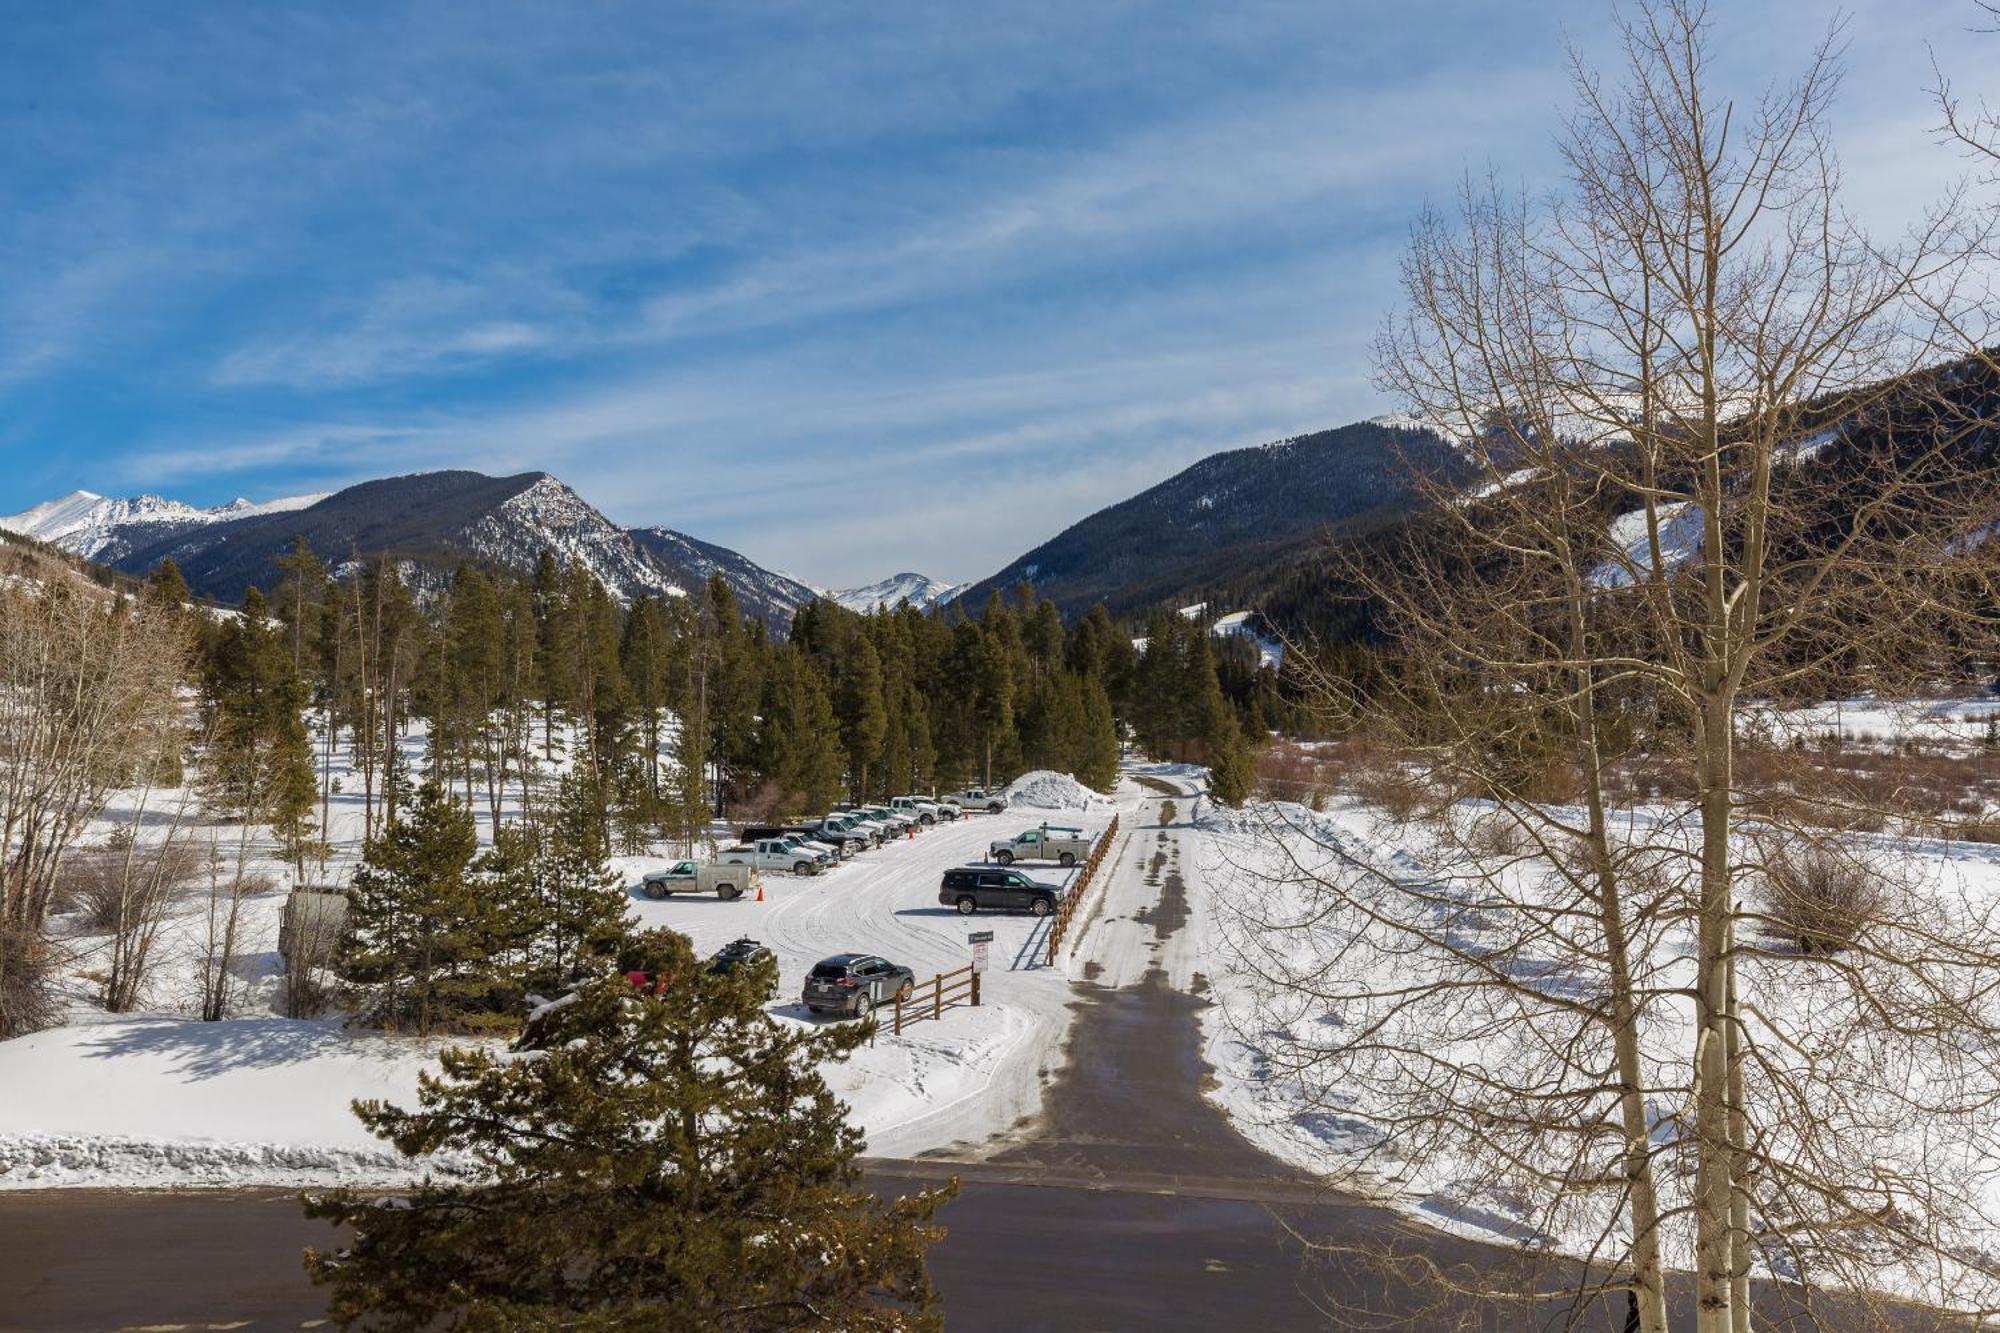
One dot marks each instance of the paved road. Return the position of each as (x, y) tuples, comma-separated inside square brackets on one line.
[(1130, 1204)]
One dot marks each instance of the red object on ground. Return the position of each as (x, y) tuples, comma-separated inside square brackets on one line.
[(912, 832), (760, 890)]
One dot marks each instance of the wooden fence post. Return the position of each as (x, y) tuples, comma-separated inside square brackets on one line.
[(899, 1013)]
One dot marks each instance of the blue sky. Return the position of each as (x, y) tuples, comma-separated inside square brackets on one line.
[(852, 288)]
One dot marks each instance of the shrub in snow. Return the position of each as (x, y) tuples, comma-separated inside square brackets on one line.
[(27, 970), (1820, 897)]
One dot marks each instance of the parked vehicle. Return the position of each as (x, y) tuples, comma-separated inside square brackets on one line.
[(882, 814), (978, 798), (728, 882), (1065, 846), (777, 854), (738, 953), (983, 888), (854, 983), (791, 833), (849, 826), (845, 845), (914, 807)]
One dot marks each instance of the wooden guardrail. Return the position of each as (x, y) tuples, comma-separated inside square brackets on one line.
[(1074, 898), (931, 999)]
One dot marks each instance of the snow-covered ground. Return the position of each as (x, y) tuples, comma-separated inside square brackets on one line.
[(1256, 919), (1953, 723), (158, 1098)]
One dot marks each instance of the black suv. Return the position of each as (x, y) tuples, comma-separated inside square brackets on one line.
[(736, 953), (971, 888), (854, 983)]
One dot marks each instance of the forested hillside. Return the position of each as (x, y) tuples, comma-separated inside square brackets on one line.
[(1229, 514)]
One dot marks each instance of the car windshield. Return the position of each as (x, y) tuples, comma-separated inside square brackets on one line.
[(829, 971)]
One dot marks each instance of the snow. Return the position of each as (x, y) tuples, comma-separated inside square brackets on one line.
[(1954, 723), (1680, 523), (549, 516), (920, 590), (1046, 790), (1489, 489), (1241, 625), (1255, 917), (86, 524), (158, 1098), (1814, 444), (1235, 625)]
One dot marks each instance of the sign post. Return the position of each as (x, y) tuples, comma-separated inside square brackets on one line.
[(979, 940)]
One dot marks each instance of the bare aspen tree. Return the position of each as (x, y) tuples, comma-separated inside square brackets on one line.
[(1727, 447), (85, 680)]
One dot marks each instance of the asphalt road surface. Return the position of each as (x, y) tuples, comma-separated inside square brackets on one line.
[(1130, 1204)]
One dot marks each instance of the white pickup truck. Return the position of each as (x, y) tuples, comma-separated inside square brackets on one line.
[(921, 810), (992, 801), (776, 854), (728, 882), (1046, 842)]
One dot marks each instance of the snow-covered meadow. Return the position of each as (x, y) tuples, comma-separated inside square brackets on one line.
[(157, 1098), (1293, 1079)]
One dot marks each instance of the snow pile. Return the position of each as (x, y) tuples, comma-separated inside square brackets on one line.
[(40, 1161), (1044, 789)]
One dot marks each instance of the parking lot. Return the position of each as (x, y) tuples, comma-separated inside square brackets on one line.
[(969, 1075)]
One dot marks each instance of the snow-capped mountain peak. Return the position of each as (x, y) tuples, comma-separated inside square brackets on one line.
[(99, 527), (920, 590)]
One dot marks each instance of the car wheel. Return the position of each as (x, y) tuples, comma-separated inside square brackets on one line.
[(967, 904), (930, 819), (1005, 858), (906, 990), (729, 893), (655, 891), (994, 807), (1039, 906), (801, 867), (864, 1006), (1067, 859)]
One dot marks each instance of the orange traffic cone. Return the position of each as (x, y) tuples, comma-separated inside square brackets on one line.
[(760, 890)]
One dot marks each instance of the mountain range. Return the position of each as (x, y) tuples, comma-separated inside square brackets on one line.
[(919, 590), (1231, 514), (428, 521)]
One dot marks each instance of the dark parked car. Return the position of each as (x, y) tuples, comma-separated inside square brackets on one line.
[(973, 888), (736, 953), (854, 983)]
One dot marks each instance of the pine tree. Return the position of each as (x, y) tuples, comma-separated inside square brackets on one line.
[(863, 718), (258, 768), (668, 1160), (1231, 766), (559, 910), (420, 930), (800, 750), (1096, 763), (165, 586)]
